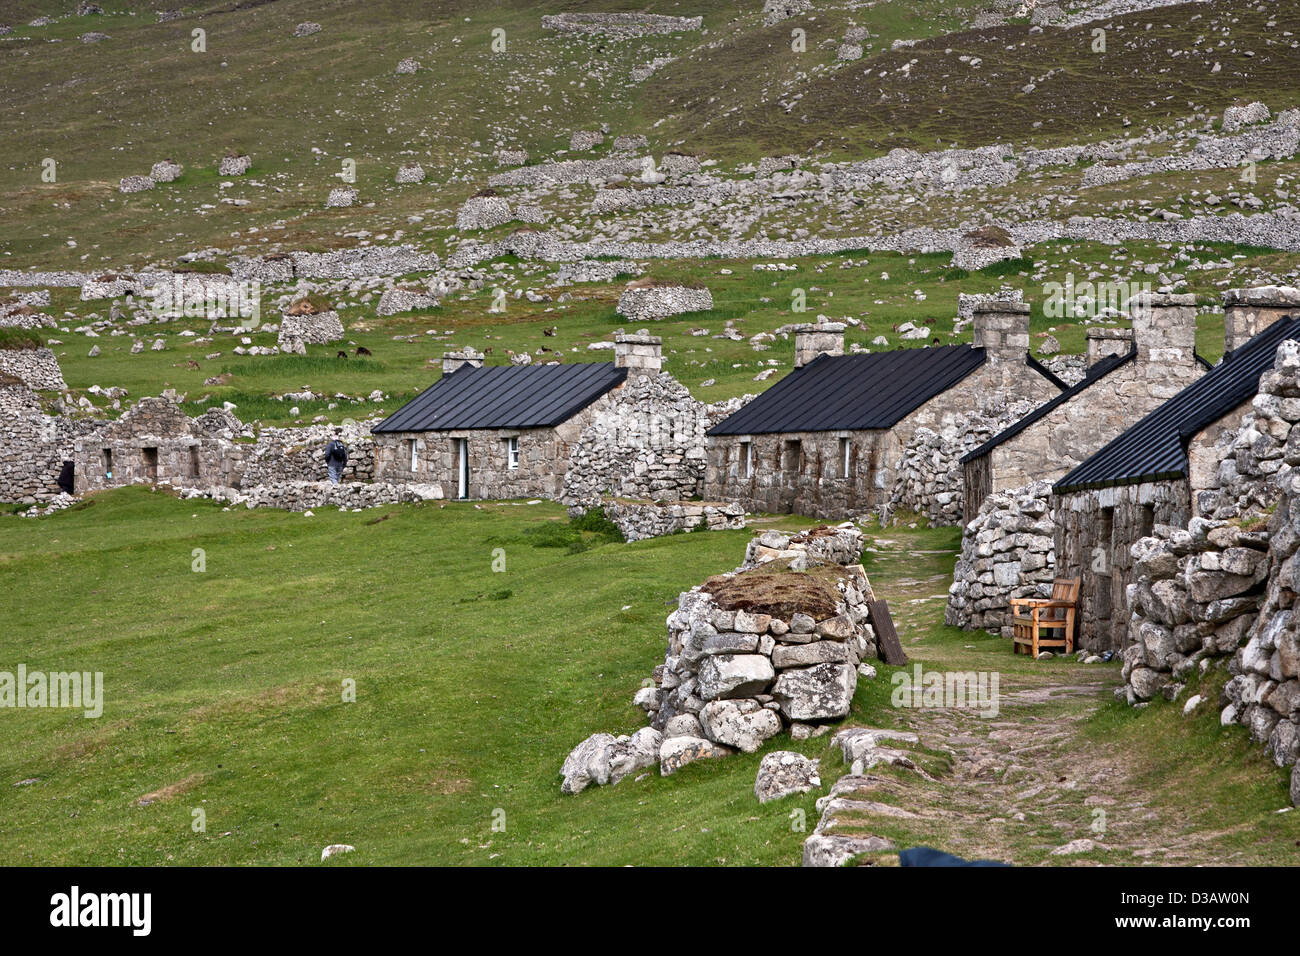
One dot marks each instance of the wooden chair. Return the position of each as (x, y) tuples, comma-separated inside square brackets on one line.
[(1030, 616)]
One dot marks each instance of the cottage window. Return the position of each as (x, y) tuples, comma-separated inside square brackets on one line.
[(792, 457), (846, 448), (412, 454), (194, 461), (512, 453), (107, 455), (746, 459), (150, 456)]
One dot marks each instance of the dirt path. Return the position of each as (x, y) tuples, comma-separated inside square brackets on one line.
[(1021, 784)]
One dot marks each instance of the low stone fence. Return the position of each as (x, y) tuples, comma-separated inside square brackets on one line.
[(658, 301), (750, 654), (620, 25), (306, 495), (654, 519)]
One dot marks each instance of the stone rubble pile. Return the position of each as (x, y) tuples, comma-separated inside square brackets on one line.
[(774, 645), (36, 368), (619, 26)]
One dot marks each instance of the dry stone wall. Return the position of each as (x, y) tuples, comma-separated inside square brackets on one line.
[(36, 368), (1007, 552), (654, 519), (750, 654)]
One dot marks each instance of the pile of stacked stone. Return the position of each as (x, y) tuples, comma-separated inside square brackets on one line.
[(405, 299), (984, 246), (166, 171), (19, 313), (234, 164), (776, 644), (308, 323), (654, 519), (484, 211), (110, 285), (1007, 552), (341, 197), (929, 478), (410, 173), (774, 11), (646, 299)]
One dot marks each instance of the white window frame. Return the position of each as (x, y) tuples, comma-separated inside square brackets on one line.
[(512, 453), (415, 456), (846, 450), (746, 459)]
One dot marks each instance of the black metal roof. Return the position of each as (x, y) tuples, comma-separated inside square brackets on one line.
[(505, 396), (1094, 374), (1155, 449), (851, 392)]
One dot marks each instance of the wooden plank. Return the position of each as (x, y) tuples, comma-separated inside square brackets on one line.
[(888, 649)]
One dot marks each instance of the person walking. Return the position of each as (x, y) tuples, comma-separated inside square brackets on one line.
[(336, 458)]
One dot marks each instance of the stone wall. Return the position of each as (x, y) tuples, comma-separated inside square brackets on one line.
[(31, 455), (1007, 551), (646, 442), (1095, 532), (654, 519), (749, 655), (37, 368), (1225, 587), (930, 479), (619, 26), (641, 303)]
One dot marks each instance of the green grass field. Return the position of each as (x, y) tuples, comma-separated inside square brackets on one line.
[(224, 692)]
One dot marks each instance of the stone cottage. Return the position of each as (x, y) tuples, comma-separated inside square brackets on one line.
[(1154, 473), (503, 431), (155, 441), (826, 440), (1129, 374)]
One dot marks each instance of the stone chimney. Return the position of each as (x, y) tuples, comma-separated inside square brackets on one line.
[(1001, 328), (1251, 311), (641, 354), (813, 340), (1103, 342), (454, 360), (1164, 328)]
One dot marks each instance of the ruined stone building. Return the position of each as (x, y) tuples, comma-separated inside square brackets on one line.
[(155, 441), (1162, 470), (1130, 372), (827, 439), (503, 431)]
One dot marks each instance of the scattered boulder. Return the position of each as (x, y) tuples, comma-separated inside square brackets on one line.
[(783, 773)]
